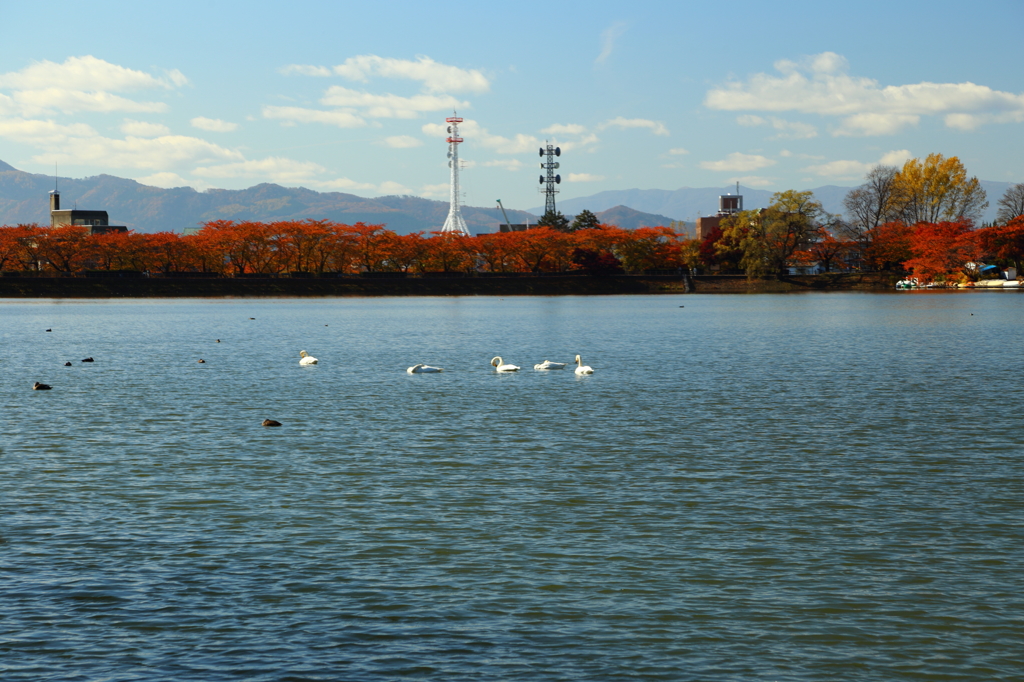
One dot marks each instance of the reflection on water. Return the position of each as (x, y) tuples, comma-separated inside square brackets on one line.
[(753, 487)]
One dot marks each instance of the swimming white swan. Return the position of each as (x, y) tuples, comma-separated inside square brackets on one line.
[(307, 359), (581, 368), (423, 369), (547, 364), (500, 365)]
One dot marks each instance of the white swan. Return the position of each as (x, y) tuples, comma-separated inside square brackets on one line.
[(423, 369), (307, 359), (581, 368), (547, 364), (500, 365)]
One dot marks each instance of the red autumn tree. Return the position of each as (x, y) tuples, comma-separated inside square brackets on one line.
[(448, 252), (64, 247), (497, 251), (1004, 242), (940, 251), (890, 246), (827, 250)]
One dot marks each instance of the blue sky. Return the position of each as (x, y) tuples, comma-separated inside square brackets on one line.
[(654, 95)]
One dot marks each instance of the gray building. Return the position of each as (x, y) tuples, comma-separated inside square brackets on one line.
[(96, 221)]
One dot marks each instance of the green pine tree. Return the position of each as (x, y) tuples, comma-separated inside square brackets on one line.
[(555, 220), (585, 220)]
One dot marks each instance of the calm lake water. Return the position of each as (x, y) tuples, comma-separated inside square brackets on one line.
[(777, 487)]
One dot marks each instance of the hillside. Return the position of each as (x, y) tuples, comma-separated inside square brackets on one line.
[(23, 199), (630, 219)]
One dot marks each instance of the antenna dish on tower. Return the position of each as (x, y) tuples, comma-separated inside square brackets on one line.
[(550, 178)]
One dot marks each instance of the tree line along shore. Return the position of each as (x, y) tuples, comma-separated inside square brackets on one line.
[(916, 220)]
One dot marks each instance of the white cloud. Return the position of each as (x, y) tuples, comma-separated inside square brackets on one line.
[(402, 141), (569, 129), (169, 180), (507, 164), (754, 181), (353, 107), (214, 125), (608, 38), (787, 129), (35, 102), (81, 144), (657, 127), (441, 189), (876, 124), (388, 106), (344, 184), (391, 187), (43, 133), (855, 169), (820, 85), (435, 76), (86, 74), (80, 84), (144, 129), (678, 151), (277, 169), (293, 173), (840, 168), (307, 70), (177, 77), (584, 177), (473, 133), (896, 158), (738, 162), (582, 143), (292, 115), (157, 153), (785, 153)]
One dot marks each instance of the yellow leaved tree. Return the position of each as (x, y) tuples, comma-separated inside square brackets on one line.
[(936, 189)]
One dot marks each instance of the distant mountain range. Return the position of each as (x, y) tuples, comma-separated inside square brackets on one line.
[(690, 203), (23, 199)]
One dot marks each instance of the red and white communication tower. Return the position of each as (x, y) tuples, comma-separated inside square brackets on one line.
[(454, 223)]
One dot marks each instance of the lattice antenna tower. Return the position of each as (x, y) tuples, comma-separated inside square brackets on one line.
[(454, 223), (550, 179)]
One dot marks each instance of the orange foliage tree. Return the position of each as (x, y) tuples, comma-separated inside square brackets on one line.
[(323, 246), (448, 252), (1005, 242), (18, 246), (828, 250), (889, 246), (940, 251), (64, 247)]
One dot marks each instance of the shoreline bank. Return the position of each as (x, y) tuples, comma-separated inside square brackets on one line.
[(523, 285)]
